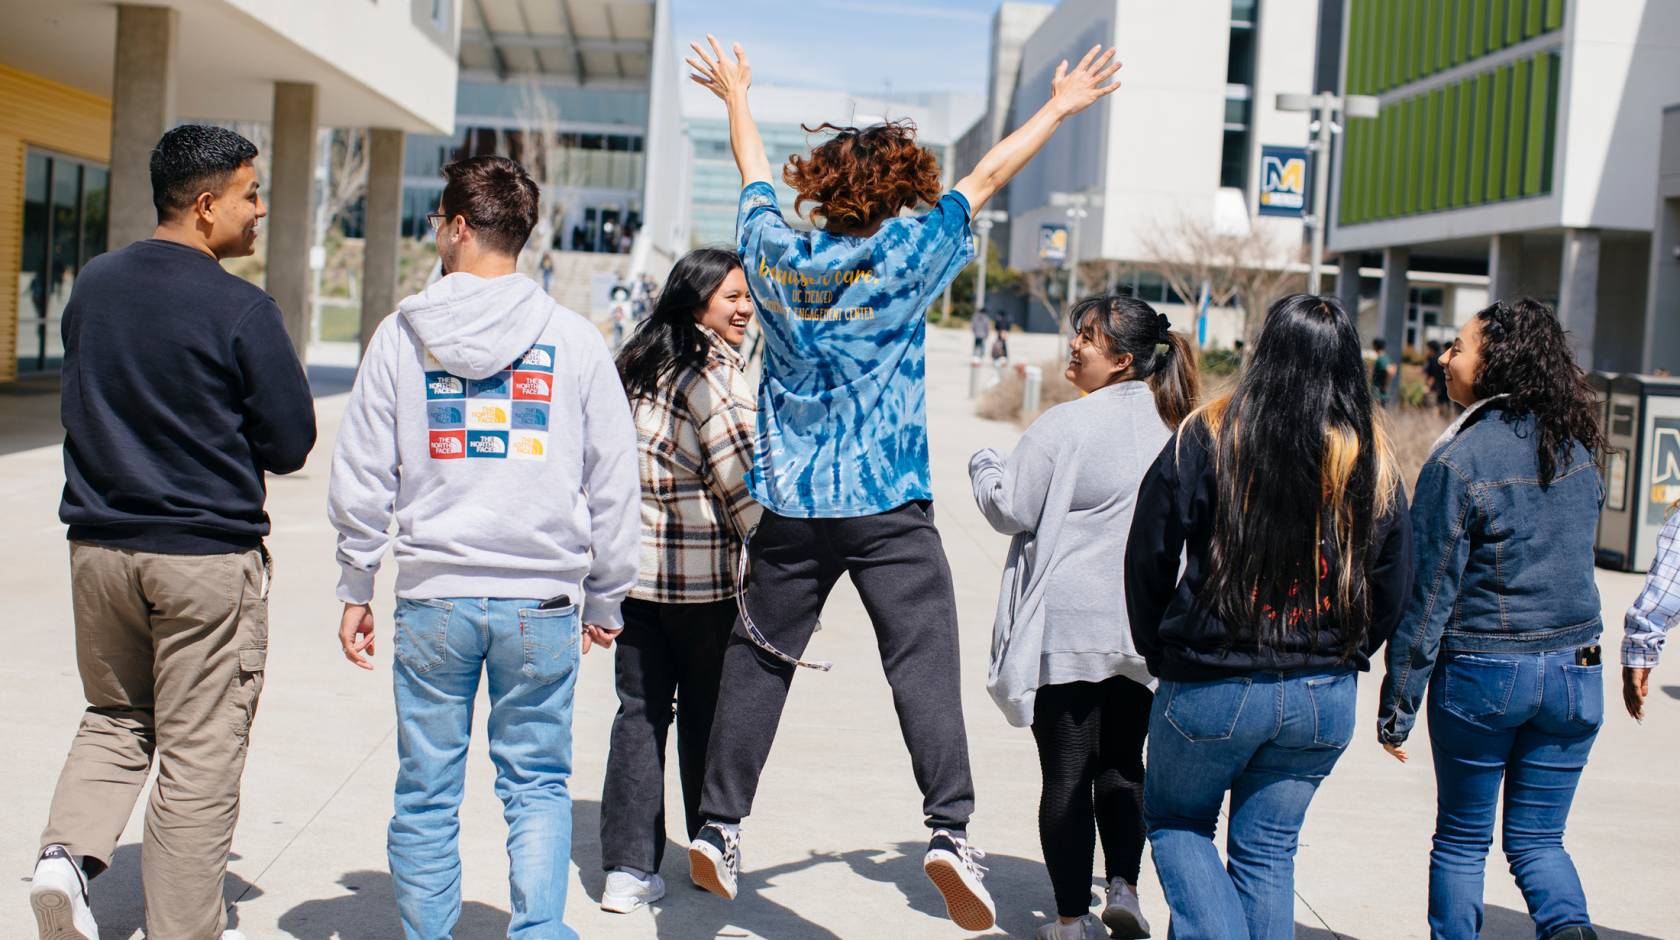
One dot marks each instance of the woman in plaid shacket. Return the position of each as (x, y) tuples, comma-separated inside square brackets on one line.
[(695, 418)]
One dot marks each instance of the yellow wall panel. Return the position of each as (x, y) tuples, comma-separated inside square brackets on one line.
[(11, 250)]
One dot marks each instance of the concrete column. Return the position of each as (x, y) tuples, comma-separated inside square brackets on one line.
[(1578, 291), (1347, 283), (291, 201), (1662, 301), (381, 228), (1391, 303), (142, 108), (1504, 267)]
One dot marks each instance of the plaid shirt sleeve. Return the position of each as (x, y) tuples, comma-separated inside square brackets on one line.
[(726, 414), (1658, 604)]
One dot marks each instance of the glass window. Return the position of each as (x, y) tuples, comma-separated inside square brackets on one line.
[(64, 218), (1244, 11), (1233, 161), (1236, 113), (1239, 60)]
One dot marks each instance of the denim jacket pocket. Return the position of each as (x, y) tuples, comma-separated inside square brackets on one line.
[(422, 633), (1334, 701), (1585, 685), (1207, 711), (550, 642), (1477, 688)]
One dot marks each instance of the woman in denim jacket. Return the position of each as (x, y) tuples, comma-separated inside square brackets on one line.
[(1503, 621)]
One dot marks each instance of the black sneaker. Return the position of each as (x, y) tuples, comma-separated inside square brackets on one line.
[(1574, 933), (714, 860), (953, 867)]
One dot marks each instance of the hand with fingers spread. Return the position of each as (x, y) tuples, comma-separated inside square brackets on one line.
[(1088, 82), (717, 74), (1397, 751), (355, 634)]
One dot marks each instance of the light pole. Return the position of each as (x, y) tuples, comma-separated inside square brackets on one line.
[(1330, 107), (1078, 207), (983, 222)]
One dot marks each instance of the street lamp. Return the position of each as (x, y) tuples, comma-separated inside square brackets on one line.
[(1329, 107), (1078, 206), (983, 222)]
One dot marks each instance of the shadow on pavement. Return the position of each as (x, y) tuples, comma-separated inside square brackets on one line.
[(119, 901), (1672, 691), (1013, 881), (1502, 923), (368, 911), (29, 414)]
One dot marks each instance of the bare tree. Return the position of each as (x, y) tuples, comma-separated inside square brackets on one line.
[(554, 166), (1251, 268), (347, 170)]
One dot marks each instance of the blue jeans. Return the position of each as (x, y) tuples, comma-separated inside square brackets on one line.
[(531, 658), (1529, 720), (1268, 739)]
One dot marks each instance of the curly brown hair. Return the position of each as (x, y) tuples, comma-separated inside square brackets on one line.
[(860, 177), (1525, 354)]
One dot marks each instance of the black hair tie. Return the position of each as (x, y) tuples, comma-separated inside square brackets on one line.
[(1163, 330)]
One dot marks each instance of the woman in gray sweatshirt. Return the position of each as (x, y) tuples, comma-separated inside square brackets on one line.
[(1062, 656)]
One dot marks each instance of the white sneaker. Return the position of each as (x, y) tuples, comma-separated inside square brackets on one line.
[(625, 891), (232, 935), (1122, 914), (1085, 928), (59, 896), (952, 864)]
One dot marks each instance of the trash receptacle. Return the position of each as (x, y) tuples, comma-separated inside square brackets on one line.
[(1642, 468)]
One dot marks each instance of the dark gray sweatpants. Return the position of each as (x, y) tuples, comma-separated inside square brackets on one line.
[(897, 563)]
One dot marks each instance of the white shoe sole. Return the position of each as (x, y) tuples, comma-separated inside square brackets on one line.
[(966, 908), (628, 903), (54, 917), (1124, 925), (707, 871)]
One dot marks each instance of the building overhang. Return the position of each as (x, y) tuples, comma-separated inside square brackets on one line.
[(576, 41)]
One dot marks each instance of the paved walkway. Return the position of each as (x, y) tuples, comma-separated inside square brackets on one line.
[(833, 848)]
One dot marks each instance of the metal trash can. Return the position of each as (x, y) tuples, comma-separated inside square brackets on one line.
[(1642, 469)]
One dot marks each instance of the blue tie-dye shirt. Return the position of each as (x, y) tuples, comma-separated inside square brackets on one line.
[(842, 422)]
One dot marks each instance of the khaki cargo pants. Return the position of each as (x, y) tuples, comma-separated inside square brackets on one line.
[(171, 650)]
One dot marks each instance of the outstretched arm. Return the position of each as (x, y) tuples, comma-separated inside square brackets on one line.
[(729, 81), (1071, 93)]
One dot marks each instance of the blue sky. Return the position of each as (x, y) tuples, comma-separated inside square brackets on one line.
[(851, 45)]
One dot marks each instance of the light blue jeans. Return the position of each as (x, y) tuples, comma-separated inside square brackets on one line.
[(531, 659), (1268, 739)]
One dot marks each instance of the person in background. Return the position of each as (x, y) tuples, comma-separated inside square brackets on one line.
[(1283, 501), (1653, 614), (181, 392), (1062, 661), (547, 268), (1382, 372), (843, 472), (1501, 631), (488, 422), (1435, 378), (981, 327), (695, 417), (1000, 344), (619, 310)]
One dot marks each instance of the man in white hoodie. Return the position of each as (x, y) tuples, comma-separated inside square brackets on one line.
[(490, 422)]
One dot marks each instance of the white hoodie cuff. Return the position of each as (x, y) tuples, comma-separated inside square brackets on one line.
[(604, 613), (355, 586)]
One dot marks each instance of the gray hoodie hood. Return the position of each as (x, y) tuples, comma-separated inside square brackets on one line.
[(474, 326)]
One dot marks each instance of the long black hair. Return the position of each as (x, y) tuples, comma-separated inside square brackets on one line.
[(1160, 357), (670, 338), (1525, 354), (1303, 471)]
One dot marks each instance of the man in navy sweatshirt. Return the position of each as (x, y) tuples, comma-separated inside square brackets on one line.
[(181, 390)]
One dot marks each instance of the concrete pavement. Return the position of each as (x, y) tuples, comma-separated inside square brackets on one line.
[(833, 847)]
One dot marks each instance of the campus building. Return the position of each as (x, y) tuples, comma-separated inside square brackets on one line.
[(782, 114), (599, 79), (87, 87), (1179, 143), (1518, 142)]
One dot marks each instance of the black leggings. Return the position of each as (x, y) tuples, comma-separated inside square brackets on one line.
[(1090, 748)]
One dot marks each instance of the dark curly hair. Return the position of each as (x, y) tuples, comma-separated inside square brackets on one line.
[(1525, 354), (860, 177)]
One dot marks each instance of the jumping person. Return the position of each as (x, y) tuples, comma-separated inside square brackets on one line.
[(1063, 662), (1502, 629), (488, 421), (1284, 501), (841, 465), (181, 390), (695, 416)]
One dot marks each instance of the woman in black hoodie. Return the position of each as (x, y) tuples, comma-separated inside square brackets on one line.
[(1284, 500)]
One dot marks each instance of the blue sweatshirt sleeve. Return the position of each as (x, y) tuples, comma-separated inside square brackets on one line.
[(279, 408)]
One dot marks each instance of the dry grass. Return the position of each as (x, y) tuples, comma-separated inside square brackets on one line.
[(1003, 401)]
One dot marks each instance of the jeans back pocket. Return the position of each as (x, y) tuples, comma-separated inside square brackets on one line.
[(1585, 685), (1207, 711), (422, 633), (550, 642), (1477, 688), (1335, 700)]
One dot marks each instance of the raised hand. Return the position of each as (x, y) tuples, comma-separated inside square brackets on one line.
[(717, 74), (1074, 91)]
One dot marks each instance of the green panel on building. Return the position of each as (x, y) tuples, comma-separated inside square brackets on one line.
[(1536, 18), (1539, 106), (1442, 157), (1498, 104), (1554, 14), (1496, 25), (1427, 170), (1514, 10), (1464, 94), (1515, 134)]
